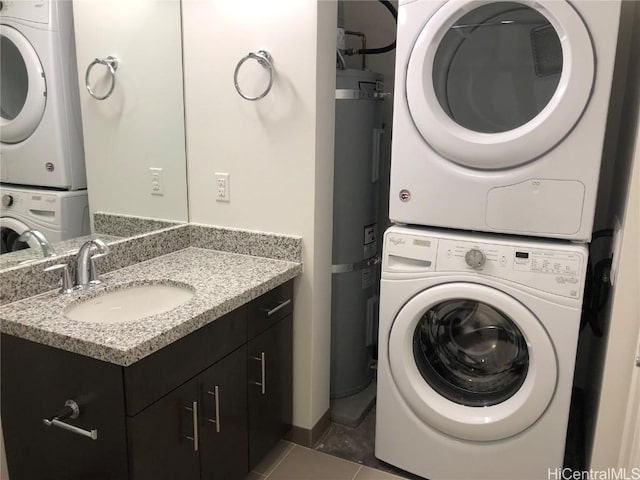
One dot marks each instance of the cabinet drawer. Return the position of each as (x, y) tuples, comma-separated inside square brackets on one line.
[(267, 309), (154, 376)]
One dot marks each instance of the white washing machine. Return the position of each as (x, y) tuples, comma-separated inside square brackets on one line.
[(478, 336), (499, 114), (56, 214), (40, 123)]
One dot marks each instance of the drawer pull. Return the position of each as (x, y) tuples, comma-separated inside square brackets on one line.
[(194, 412), (263, 383), (70, 410), (280, 306), (216, 395)]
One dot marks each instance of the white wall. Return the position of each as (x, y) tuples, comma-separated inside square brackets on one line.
[(278, 150), (141, 124)]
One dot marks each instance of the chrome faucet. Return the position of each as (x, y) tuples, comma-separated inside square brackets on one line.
[(47, 249), (86, 272)]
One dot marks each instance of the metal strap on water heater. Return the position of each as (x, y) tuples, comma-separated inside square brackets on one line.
[(352, 267)]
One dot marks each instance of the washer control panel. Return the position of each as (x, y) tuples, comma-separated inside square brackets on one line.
[(534, 264), (37, 205), (29, 10), (475, 258)]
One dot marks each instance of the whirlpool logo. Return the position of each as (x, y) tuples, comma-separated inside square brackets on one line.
[(395, 241)]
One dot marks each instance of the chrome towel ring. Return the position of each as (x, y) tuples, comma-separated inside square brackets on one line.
[(112, 64), (263, 58)]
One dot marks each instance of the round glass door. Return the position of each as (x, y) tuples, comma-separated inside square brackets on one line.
[(10, 231), (496, 84), (470, 352), (497, 67), (23, 89), (472, 362)]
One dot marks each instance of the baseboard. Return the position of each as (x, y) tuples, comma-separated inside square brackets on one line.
[(309, 437)]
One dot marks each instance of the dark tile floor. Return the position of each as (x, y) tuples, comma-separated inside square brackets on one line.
[(357, 444)]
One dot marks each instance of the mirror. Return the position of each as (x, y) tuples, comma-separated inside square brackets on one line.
[(108, 228), (134, 140)]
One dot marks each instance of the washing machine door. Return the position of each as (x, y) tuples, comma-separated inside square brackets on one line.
[(10, 229), (472, 362), (494, 85), (23, 88)]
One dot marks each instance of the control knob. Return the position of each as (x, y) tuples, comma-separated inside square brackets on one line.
[(7, 200), (475, 258)]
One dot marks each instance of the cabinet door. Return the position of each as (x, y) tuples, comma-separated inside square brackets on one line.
[(164, 438), (37, 380), (270, 388), (223, 390)]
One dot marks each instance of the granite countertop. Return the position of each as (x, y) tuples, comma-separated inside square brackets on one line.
[(222, 282)]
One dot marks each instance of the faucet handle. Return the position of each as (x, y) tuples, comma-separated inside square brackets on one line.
[(103, 250), (94, 279), (67, 285)]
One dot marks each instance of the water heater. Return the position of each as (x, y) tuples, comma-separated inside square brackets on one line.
[(354, 304)]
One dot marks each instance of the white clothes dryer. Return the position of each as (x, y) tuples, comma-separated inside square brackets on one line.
[(499, 114), (40, 123), (477, 345), (58, 215)]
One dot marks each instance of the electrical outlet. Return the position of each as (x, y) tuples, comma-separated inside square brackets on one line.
[(157, 183), (222, 187)]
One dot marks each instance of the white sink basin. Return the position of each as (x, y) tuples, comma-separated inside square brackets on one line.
[(129, 303)]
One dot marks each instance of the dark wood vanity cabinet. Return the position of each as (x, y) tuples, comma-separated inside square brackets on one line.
[(36, 382), (270, 388), (199, 430), (206, 407), (159, 444)]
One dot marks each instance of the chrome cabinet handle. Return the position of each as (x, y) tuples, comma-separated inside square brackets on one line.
[(92, 434), (112, 65), (216, 395), (280, 306), (194, 416), (263, 382), (70, 410)]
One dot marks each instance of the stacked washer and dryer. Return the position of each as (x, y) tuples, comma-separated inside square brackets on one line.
[(499, 119), (42, 166)]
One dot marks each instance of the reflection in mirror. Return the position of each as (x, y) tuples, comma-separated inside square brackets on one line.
[(133, 140), (108, 228)]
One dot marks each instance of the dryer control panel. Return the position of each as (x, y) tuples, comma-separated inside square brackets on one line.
[(534, 264)]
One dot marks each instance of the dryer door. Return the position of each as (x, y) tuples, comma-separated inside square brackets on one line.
[(23, 89), (472, 362), (496, 84)]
